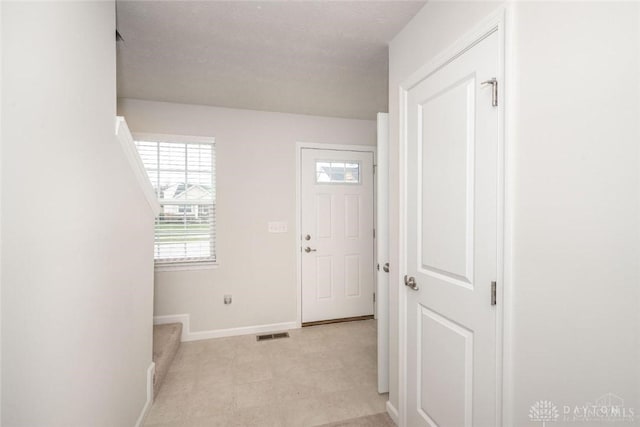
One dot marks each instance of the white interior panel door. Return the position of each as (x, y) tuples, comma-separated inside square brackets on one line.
[(337, 234), (452, 170), (382, 250)]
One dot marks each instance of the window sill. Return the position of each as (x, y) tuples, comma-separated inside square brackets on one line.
[(186, 266)]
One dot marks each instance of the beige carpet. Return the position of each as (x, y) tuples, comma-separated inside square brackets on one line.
[(320, 375), (377, 420)]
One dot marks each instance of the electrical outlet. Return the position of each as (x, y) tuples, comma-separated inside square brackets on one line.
[(227, 299)]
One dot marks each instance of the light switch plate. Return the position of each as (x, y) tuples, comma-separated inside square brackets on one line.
[(277, 226)]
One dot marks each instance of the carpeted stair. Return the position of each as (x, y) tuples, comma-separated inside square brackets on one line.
[(166, 341)]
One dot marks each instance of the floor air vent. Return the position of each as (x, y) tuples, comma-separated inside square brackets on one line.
[(267, 337)]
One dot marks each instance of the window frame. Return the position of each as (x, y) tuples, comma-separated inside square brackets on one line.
[(182, 139)]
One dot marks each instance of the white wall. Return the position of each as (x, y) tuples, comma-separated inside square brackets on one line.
[(1, 217), (77, 235), (573, 196), (255, 155)]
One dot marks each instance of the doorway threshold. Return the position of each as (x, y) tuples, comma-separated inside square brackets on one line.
[(344, 319)]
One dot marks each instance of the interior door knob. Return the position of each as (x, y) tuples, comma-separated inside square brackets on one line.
[(308, 249), (411, 283), (385, 267)]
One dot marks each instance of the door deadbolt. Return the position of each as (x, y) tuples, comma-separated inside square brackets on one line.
[(385, 267), (307, 237)]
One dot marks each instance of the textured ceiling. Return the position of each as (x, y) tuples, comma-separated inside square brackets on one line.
[(315, 57)]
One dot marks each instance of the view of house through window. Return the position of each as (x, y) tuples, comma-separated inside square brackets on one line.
[(183, 176), (328, 171)]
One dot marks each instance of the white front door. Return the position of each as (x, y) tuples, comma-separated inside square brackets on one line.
[(451, 237), (337, 234)]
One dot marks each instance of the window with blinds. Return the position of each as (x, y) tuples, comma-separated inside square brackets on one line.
[(183, 176)]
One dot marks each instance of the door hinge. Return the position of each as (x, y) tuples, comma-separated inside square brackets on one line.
[(494, 297), (494, 90), (374, 169), (374, 297)]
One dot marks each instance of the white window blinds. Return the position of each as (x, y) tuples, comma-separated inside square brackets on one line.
[(183, 176)]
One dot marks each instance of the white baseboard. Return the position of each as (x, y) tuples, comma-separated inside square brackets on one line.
[(187, 335), (246, 330), (151, 371), (393, 412)]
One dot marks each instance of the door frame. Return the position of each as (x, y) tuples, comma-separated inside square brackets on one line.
[(319, 146), (495, 22), (382, 245)]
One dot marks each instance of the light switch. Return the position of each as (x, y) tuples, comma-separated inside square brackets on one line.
[(277, 226)]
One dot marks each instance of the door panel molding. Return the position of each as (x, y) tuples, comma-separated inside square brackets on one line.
[(460, 332), (494, 23)]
